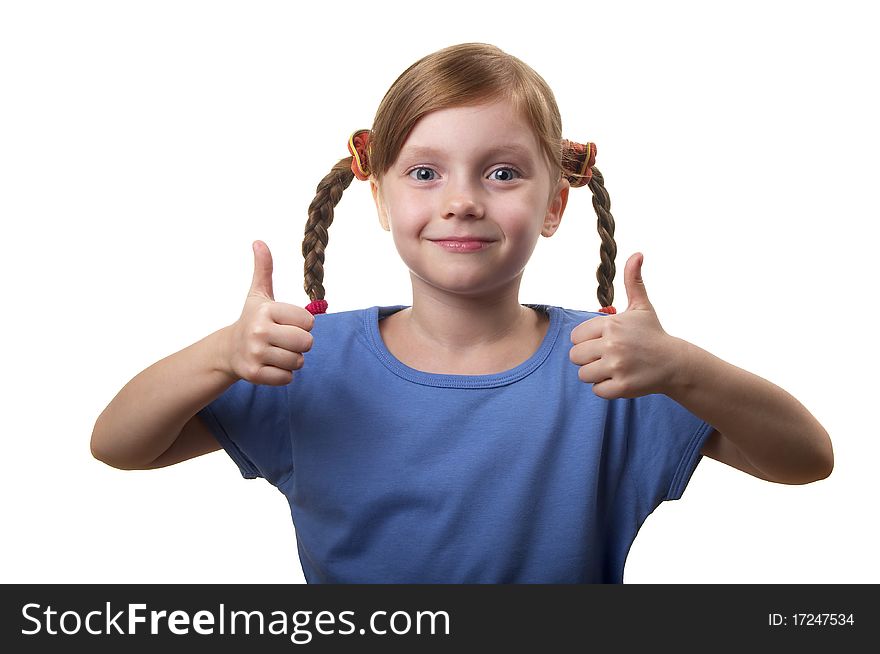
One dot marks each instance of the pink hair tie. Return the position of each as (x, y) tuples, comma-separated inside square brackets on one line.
[(607, 310), (317, 306)]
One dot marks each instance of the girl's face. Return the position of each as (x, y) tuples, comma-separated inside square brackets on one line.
[(475, 171)]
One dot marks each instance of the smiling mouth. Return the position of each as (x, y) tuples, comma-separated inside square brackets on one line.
[(463, 246)]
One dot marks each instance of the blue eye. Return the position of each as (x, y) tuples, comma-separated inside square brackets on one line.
[(509, 171), (420, 177), (425, 174)]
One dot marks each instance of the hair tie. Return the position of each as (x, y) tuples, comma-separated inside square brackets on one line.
[(578, 160), (317, 306), (359, 146)]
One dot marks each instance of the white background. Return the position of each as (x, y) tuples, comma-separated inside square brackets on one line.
[(144, 146)]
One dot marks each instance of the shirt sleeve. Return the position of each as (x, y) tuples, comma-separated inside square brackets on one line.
[(252, 423), (665, 442)]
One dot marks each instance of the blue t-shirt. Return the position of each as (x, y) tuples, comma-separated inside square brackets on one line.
[(394, 475)]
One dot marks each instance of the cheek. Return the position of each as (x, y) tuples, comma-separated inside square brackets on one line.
[(411, 212), (520, 215)]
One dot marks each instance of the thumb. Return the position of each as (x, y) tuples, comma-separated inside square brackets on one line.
[(636, 293), (262, 281)]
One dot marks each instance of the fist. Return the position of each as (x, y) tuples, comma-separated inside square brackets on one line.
[(626, 355), (267, 342)]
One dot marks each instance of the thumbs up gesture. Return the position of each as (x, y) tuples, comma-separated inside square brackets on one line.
[(627, 355), (266, 343)]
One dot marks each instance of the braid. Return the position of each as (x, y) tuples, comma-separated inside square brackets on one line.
[(608, 249), (327, 196)]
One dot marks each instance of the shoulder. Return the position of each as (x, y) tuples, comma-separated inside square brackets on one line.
[(342, 334), (339, 324), (571, 318), (340, 317), (344, 318), (579, 315)]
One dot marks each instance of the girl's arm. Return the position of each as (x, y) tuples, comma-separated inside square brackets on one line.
[(770, 428), (145, 418), (760, 427), (152, 421)]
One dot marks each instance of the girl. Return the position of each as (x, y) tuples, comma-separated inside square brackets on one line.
[(466, 438)]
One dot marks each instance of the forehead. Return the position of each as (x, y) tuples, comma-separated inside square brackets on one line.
[(481, 128)]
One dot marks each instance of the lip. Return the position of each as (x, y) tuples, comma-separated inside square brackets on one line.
[(462, 238), (456, 245)]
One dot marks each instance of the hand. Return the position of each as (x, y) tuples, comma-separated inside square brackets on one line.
[(627, 355), (266, 343)]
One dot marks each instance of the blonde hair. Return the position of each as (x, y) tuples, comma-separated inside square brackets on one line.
[(460, 75)]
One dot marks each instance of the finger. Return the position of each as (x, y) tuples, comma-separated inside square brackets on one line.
[(608, 390), (290, 314), (594, 373), (278, 357), (290, 338), (586, 352), (588, 329), (261, 284), (273, 376), (636, 293)]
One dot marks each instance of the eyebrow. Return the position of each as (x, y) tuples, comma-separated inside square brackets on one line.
[(506, 148)]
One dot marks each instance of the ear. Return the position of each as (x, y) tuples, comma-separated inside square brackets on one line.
[(556, 207), (380, 206)]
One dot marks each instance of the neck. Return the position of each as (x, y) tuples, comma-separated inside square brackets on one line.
[(459, 324)]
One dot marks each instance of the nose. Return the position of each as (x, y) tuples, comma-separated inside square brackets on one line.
[(463, 200)]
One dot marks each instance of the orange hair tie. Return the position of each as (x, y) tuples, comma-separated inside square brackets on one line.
[(359, 146), (578, 160)]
